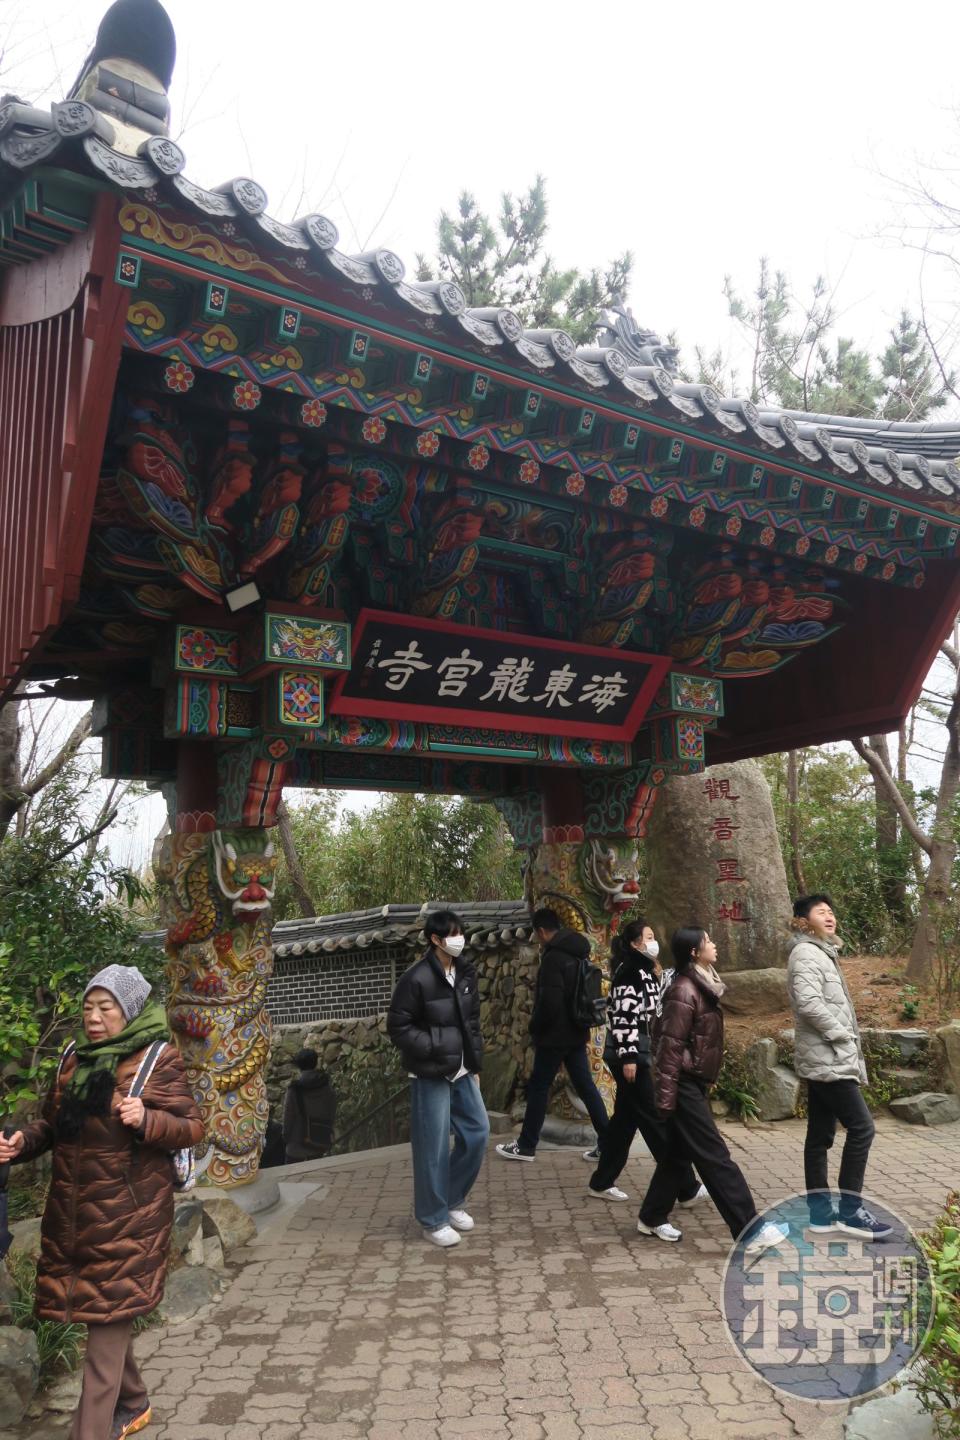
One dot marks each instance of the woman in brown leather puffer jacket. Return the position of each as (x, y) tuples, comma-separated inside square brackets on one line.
[(687, 1057), (105, 1235)]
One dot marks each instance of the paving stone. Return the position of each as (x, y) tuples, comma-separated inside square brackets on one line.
[(549, 1322)]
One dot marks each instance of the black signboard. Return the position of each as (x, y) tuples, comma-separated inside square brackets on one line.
[(408, 668)]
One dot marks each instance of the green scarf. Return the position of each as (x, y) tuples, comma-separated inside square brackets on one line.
[(99, 1057)]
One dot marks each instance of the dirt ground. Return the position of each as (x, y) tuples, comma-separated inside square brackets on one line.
[(876, 984)]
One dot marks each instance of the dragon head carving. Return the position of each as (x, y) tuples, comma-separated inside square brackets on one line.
[(246, 869), (610, 871)]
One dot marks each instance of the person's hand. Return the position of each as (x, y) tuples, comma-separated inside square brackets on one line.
[(132, 1112), (11, 1147), (630, 1073)]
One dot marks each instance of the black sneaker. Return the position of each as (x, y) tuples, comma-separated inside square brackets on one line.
[(862, 1223), (511, 1151)]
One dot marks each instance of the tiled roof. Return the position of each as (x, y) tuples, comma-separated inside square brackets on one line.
[(626, 364), (487, 924)]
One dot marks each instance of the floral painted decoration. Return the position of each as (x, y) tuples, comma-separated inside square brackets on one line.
[(428, 443), (313, 413), (478, 457), (618, 495), (179, 377), (530, 473), (574, 484), (373, 430), (247, 395)]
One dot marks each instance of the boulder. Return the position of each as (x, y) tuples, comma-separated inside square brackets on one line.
[(906, 1081), (899, 1416), (947, 1043), (500, 1122), (187, 1218), (714, 859), (225, 1219), (19, 1373), (927, 1109), (777, 1088), (910, 1045), (755, 992), (190, 1290), (568, 1132), (63, 1396), (8, 1293), (719, 1107), (498, 1078), (26, 1238), (194, 1253), (212, 1252)]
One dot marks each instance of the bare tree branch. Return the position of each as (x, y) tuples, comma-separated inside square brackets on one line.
[(298, 879), (893, 791)]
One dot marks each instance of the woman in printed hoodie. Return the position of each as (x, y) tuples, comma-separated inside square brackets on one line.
[(636, 988), (829, 1056)]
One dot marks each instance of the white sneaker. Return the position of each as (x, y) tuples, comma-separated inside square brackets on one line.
[(460, 1220), (766, 1238), (612, 1193), (445, 1235), (702, 1194), (660, 1232)]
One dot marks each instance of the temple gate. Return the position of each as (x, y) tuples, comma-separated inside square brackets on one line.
[(293, 519)]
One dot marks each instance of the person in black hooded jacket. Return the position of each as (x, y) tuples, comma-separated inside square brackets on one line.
[(309, 1111), (434, 1021), (558, 1039)]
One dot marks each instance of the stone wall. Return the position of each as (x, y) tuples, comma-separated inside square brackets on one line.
[(506, 979)]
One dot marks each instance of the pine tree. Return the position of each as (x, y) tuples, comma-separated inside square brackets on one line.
[(507, 264)]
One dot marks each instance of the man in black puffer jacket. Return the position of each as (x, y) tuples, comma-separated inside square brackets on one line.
[(558, 1039), (434, 1021)]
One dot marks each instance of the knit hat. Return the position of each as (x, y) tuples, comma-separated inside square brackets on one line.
[(127, 986)]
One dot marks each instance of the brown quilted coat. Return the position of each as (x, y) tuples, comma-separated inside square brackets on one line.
[(105, 1234), (689, 1037)]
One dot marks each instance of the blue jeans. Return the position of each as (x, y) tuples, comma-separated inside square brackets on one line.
[(443, 1178), (546, 1063)]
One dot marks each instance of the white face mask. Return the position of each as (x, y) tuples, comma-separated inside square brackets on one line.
[(453, 945), (652, 949)]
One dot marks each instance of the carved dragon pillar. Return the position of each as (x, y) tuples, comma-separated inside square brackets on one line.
[(589, 879), (218, 883)]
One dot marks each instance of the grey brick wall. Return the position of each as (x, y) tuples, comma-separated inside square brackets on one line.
[(338, 986)]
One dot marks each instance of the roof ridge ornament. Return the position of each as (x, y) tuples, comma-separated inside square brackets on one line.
[(128, 72), (618, 329)]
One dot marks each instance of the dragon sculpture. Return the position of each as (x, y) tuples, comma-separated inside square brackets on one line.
[(590, 884), (219, 962)]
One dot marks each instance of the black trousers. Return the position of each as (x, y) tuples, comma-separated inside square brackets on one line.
[(693, 1137), (635, 1109), (827, 1102), (546, 1063)]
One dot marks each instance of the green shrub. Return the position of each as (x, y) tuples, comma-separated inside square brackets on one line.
[(60, 1346), (937, 1372), (364, 1078), (736, 1084)]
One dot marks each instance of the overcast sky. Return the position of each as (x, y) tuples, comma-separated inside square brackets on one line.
[(698, 136)]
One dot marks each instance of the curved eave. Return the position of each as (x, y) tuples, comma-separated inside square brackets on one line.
[(911, 461)]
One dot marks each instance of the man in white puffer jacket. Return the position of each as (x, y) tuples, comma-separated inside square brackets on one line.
[(829, 1056)]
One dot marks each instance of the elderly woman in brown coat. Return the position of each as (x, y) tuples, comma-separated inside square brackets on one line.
[(105, 1234)]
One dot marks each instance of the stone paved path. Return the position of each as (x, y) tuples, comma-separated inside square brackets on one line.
[(552, 1321)]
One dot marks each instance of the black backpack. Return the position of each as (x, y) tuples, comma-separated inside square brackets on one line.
[(588, 1005)]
